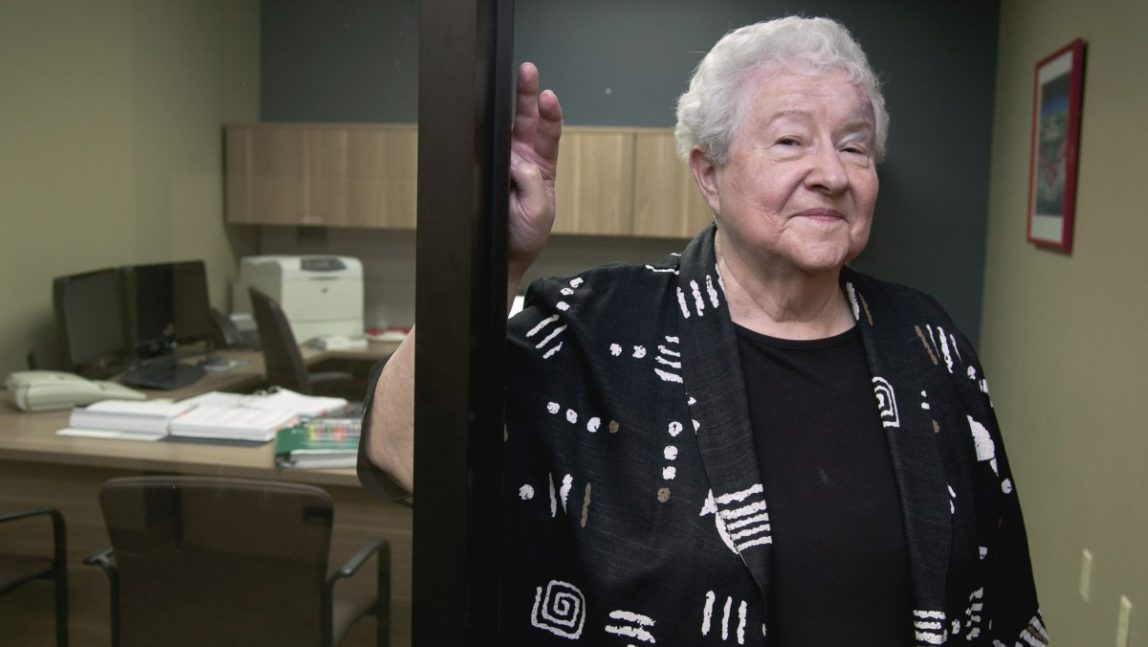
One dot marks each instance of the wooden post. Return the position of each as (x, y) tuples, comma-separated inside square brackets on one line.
[(465, 80)]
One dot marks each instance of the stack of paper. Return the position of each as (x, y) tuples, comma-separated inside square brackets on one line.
[(126, 418), (250, 418)]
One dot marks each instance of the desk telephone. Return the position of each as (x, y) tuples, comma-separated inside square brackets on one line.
[(45, 390)]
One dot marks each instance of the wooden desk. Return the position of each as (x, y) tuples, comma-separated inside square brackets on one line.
[(249, 376), (39, 468)]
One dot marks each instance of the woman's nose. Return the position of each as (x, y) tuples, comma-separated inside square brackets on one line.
[(827, 171)]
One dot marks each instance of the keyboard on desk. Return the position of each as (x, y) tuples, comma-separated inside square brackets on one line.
[(163, 376)]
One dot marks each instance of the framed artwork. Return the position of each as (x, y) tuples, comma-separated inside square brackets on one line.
[(1057, 92)]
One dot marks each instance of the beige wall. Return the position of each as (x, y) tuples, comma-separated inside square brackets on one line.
[(1063, 337), (111, 143)]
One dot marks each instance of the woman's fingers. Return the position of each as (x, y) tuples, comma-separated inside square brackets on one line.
[(549, 129), (537, 121), (526, 108)]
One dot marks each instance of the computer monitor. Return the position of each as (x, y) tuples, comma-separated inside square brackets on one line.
[(90, 311), (167, 306)]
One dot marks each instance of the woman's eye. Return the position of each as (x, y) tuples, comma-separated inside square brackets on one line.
[(788, 141)]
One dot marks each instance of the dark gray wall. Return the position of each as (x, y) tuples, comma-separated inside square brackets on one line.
[(624, 62), (342, 60)]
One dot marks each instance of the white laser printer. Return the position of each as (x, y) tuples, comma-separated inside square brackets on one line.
[(321, 295)]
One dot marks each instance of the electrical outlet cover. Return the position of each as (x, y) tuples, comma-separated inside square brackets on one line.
[(1086, 575), (1124, 622)]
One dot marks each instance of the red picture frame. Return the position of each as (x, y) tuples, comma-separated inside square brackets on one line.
[(1058, 85)]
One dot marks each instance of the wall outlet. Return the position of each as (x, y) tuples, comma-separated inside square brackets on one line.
[(1124, 622), (1086, 575)]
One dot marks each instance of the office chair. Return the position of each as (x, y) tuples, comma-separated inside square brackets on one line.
[(225, 334), (17, 570), (283, 362), (214, 561)]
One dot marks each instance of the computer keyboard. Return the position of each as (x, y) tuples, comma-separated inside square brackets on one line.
[(163, 376)]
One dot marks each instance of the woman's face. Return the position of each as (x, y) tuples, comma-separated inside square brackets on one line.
[(799, 189)]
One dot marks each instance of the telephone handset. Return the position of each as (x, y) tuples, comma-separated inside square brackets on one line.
[(46, 390)]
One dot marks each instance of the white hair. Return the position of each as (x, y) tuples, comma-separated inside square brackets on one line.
[(711, 111)]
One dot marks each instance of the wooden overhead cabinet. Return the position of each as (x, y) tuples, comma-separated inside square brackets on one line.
[(265, 175), (382, 172), (328, 175), (611, 181), (626, 182), (667, 202), (594, 190)]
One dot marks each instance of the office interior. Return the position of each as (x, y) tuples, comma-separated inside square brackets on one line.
[(113, 153)]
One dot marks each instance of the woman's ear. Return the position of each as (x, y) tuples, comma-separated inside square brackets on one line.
[(705, 174)]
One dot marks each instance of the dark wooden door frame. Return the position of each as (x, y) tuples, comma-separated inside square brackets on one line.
[(465, 89)]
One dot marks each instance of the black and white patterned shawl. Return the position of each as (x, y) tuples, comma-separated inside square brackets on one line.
[(635, 513)]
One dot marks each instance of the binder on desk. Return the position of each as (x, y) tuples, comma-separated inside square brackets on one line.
[(319, 444)]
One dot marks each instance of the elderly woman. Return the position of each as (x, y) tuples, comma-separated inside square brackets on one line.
[(695, 453)]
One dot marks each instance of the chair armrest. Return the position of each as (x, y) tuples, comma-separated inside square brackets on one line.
[(382, 605), (59, 534), (103, 559), (380, 546), (35, 512)]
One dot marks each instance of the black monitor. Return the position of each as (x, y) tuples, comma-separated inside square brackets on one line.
[(90, 311), (167, 306)]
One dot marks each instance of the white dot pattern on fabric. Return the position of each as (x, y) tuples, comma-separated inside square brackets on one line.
[(670, 452)]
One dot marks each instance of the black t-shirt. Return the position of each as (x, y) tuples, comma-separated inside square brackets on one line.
[(840, 572)]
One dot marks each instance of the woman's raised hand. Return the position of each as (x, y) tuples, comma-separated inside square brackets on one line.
[(533, 166)]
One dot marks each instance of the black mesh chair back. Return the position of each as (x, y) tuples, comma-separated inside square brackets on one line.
[(282, 360), (214, 561)]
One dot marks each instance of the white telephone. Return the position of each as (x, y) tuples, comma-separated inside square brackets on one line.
[(44, 390)]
